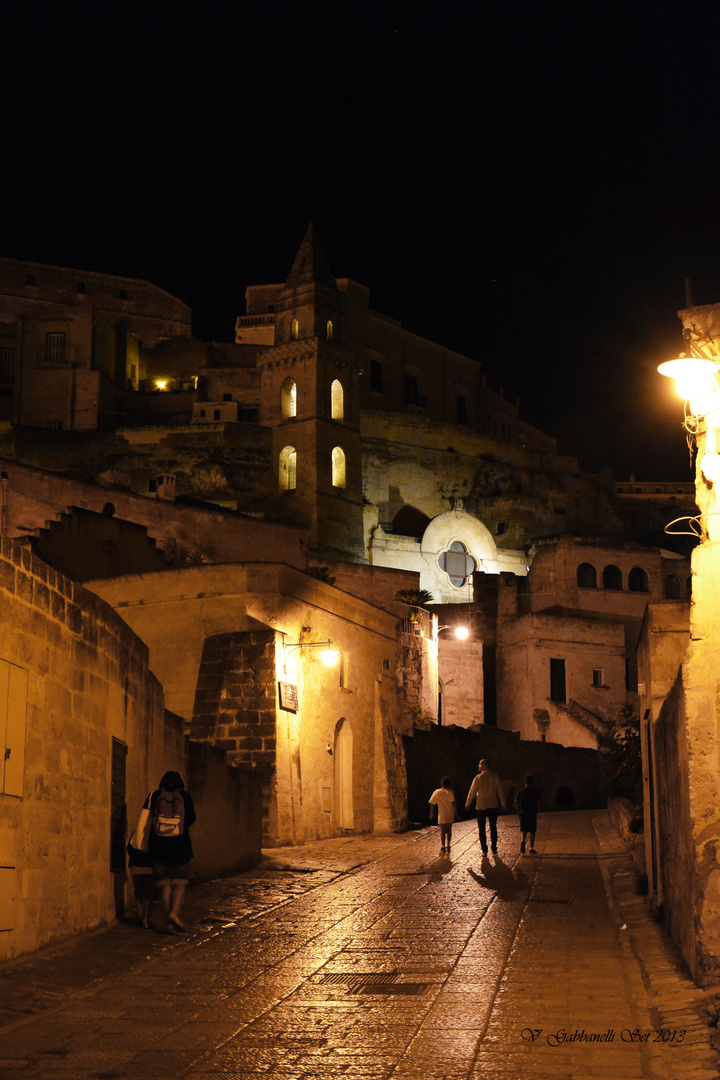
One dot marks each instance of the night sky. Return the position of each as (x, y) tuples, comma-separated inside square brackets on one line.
[(528, 183)]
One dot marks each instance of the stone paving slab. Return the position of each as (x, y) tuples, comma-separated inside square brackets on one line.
[(485, 964)]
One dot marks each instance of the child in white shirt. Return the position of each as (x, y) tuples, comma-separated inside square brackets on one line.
[(443, 798)]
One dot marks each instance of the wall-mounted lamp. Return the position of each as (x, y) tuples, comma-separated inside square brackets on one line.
[(461, 632), (696, 381), (329, 656)]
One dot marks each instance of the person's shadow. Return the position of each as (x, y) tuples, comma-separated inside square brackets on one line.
[(500, 879)]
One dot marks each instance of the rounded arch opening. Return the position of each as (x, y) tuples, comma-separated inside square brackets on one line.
[(409, 521), (612, 577), (637, 580), (586, 576), (287, 469), (288, 399), (337, 400), (338, 467)]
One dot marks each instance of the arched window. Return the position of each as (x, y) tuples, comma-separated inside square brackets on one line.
[(672, 588), (329, 330), (288, 399), (294, 329), (587, 576), (338, 467), (637, 580), (337, 400), (287, 471), (612, 577)]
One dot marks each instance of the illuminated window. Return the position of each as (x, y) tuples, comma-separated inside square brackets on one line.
[(288, 469), (329, 330), (295, 329), (288, 399), (336, 400), (55, 348), (338, 467)]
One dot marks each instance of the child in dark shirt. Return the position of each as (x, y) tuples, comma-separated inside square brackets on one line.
[(527, 801)]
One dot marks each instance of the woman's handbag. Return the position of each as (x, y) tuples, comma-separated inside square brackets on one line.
[(140, 839)]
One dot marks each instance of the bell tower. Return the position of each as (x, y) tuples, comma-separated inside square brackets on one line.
[(310, 398)]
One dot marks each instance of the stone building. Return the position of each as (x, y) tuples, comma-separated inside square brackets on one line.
[(326, 439), (84, 736), (679, 680)]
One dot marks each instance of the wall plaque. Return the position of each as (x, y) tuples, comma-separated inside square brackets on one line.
[(288, 696)]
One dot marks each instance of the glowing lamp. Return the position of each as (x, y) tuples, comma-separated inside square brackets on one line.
[(161, 384), (696, 381), (328, 656), (461, 632)]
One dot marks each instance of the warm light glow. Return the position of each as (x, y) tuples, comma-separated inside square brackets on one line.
[(161, 384), (461, 632), (338, 467), (695, 381), (329, 656)]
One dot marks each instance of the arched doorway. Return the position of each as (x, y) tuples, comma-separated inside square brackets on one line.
[(343, 784)]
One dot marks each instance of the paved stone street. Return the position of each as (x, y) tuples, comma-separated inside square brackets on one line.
[(376, 957)]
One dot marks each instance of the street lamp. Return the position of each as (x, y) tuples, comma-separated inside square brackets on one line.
[(461, 632), (328, 656), (698, 383)]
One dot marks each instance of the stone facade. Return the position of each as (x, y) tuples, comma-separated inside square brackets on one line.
[(326, 435), (222, 640), (680, 666), (567, 776), (85, 737)]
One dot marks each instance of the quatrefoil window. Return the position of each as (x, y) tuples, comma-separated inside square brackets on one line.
[(457, 563)]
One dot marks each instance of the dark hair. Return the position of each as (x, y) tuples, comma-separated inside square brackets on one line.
[(446, 781), (172, 781), (529, 778)]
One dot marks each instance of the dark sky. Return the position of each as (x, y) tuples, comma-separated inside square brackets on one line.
[(529, 183)]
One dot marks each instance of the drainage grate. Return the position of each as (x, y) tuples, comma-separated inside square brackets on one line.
[(359, 978), (389, 988), (544, 900)]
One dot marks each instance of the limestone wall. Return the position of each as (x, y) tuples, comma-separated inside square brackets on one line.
[(525, 649), (222, 638), (455, 752), (676, 868), (86, 737), (33, 496)]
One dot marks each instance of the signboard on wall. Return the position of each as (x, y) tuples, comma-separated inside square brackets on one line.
[(288, 696)]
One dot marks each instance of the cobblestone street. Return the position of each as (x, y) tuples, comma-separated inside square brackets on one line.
[(377, 957)]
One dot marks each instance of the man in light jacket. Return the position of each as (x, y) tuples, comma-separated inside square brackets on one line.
[(487, 793)]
